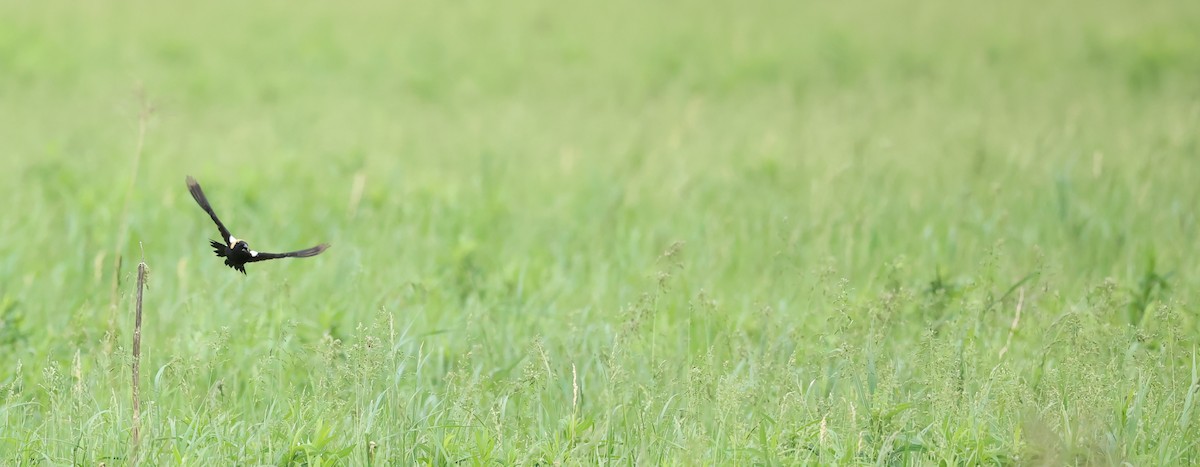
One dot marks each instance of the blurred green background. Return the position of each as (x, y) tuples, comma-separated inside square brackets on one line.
[(675, 232)]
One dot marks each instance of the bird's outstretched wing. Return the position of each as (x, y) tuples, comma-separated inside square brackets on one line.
[(314, 251), (198, 195)]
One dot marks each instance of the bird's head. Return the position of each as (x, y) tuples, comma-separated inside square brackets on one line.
[(240, 245)]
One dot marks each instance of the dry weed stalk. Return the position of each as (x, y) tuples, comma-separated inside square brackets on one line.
[(137, 361)]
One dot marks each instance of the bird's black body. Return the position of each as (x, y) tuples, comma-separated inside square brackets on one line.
[(237, 252)]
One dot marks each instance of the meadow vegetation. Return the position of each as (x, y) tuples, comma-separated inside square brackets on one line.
[(673, 232)]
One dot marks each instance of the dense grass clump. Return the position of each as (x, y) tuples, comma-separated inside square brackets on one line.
[(673, 232)]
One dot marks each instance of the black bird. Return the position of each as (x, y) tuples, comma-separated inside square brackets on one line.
[(236, 251)]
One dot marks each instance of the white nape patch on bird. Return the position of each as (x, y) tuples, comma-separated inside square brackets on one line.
[(253, 253), (232, 241)]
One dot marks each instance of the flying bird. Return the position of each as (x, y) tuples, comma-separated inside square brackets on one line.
[(236, 251)]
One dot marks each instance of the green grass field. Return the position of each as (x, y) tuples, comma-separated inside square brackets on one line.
[(637, 233)]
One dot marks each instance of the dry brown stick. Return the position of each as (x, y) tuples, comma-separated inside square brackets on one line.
[(137, 361)]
